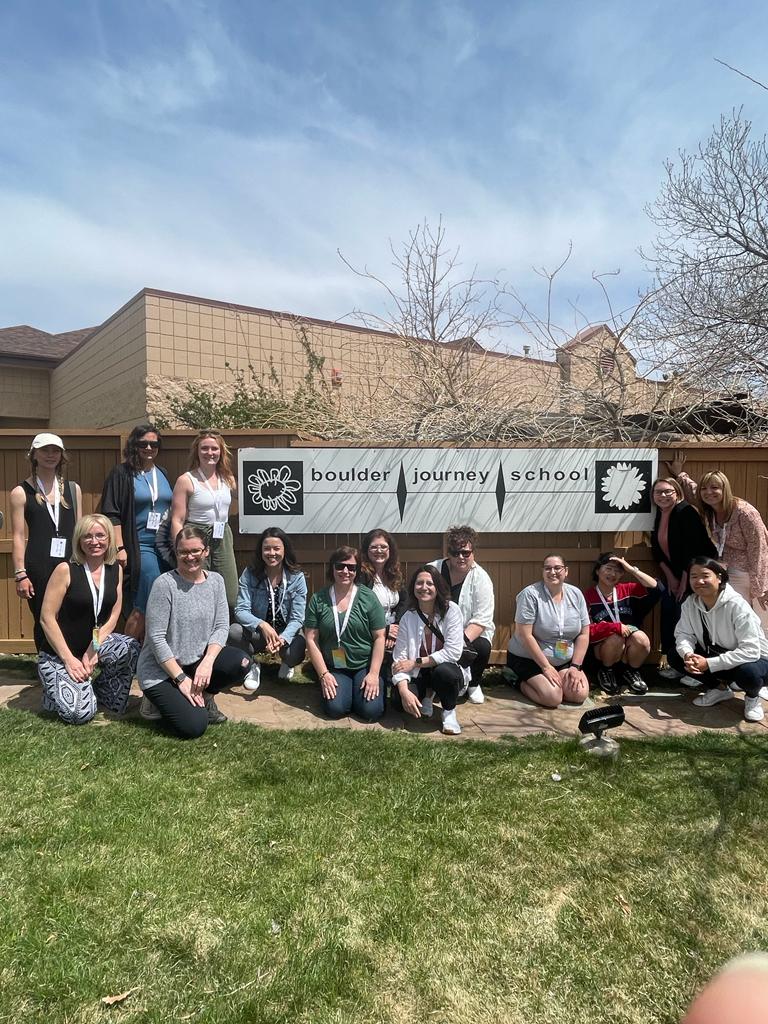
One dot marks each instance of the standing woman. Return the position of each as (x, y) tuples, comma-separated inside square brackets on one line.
[(271, 603), (380, 571), (82, 604), (428, 649), (202, 497), (344, 627), (678, 535), (136, 498), (738, 533), (44, 509), (472, 590), (551, 637), (184, 660)]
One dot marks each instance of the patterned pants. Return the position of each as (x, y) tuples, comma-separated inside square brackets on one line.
[(75, 703)]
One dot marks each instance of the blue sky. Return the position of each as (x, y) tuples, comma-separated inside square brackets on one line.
[(230, 148)]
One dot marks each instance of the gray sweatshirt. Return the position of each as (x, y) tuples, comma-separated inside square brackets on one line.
[(182, 619)]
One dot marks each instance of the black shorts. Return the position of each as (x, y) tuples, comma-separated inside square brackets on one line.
[(524, 668)]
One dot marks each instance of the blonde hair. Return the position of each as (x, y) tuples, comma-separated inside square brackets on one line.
[(729, 501), (224, 468), (60, 477), (82, 526)]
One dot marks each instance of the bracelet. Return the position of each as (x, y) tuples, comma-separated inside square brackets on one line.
[(20, 573), (20, 579), (121, 548)]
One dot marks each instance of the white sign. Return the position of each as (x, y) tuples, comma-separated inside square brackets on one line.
[(426, 490)]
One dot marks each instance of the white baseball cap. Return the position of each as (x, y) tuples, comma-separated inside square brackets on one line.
[(41, 440)]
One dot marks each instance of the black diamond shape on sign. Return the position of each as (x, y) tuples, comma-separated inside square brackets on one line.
[(402, 492), (623, 485), (501, 491), (273, 488)]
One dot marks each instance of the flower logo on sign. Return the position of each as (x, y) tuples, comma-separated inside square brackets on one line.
[(622, 486), (273, 489)]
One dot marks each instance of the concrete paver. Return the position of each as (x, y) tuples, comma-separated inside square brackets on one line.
[(505, 713)]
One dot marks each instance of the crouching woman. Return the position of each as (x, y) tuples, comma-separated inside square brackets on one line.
[(720, 640), (80, 611), (429, 644), (184, 661)]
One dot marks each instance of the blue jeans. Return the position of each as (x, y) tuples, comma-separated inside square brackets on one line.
[(349, 696)]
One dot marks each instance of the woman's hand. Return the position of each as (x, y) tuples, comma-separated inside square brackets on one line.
[(391, 636), (676, 463), (76, 670), (763, 600), (574, 676), (203, 675), (195, 698), (370, 686), (90, 660), (404, 665), (695, 664), (552, 676), (411, 703), (271, 637), (328, 685), (25, 589), (626, 630), (122, 558)]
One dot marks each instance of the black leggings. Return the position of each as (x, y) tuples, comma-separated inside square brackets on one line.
[(480, 664), (252, 641), (750, 675), (445, 679), (187, 720)]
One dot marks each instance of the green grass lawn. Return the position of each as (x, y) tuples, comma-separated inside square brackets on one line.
[(342, 876)]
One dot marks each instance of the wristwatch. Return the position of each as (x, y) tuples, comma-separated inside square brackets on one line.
[(177, 680), (577, 667), (419, 661)]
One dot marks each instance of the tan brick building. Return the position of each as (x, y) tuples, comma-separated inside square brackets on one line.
[(124, 371)]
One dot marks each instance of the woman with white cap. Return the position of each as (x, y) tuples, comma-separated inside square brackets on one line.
[(44, 510)]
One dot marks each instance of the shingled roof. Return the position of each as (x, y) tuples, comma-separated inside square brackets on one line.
[(24, 342)]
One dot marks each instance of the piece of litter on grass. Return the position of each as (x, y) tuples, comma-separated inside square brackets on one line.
[(275, 928), (556, 777), (621, 900), (272, 842), (84, 766), (113, 1000)]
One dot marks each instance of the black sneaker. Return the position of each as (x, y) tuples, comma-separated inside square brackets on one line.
[(607, 681), (215, 717), (634, 682)]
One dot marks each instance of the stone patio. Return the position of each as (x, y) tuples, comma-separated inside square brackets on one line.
[(664, 711)]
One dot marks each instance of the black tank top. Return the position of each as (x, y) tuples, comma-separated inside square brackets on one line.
[(75, 616), (38, 560)]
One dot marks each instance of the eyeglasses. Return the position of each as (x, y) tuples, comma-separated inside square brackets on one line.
[(460, 552), (147, 444), (190, 554), (345, 567), (664, 494), (379, 547), (557, 569)]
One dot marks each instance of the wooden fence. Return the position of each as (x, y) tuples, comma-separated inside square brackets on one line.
[(512, 559)]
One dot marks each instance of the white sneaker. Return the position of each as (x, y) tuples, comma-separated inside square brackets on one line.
[(695, 684), (753, 709), (427, 707), (764, 692), (463, 689), (285, 671), (710, 697), (148, 710), (669, 673), (475, 695), (253, 680), (451, 725)]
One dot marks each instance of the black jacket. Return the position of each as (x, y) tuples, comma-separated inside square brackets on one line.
[(687, 538)]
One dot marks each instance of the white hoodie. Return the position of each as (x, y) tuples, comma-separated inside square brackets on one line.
[(732, 624)]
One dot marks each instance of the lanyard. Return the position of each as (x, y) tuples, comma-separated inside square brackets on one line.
[(721, 533), (53, 512), (614, 615), (98, 597), (282, 587), (340, 631), (152, 484), (559, 611), (217, 507)]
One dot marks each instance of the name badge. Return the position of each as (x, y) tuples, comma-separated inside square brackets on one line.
[(339, 656), (153, 520), (58, 547), (95, 642), (562, 648), (218, 530)]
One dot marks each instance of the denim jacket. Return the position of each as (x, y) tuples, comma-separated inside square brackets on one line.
[(253, 602)]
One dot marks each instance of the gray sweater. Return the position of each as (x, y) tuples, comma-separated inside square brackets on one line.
[(182, 619)]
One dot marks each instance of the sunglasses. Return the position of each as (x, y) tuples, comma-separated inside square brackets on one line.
[(345, 566), (147, 444), (460, 552)]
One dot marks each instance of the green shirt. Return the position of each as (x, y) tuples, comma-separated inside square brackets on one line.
[(366, 616)]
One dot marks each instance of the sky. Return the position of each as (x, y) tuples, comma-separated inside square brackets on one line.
[(231, 148)]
